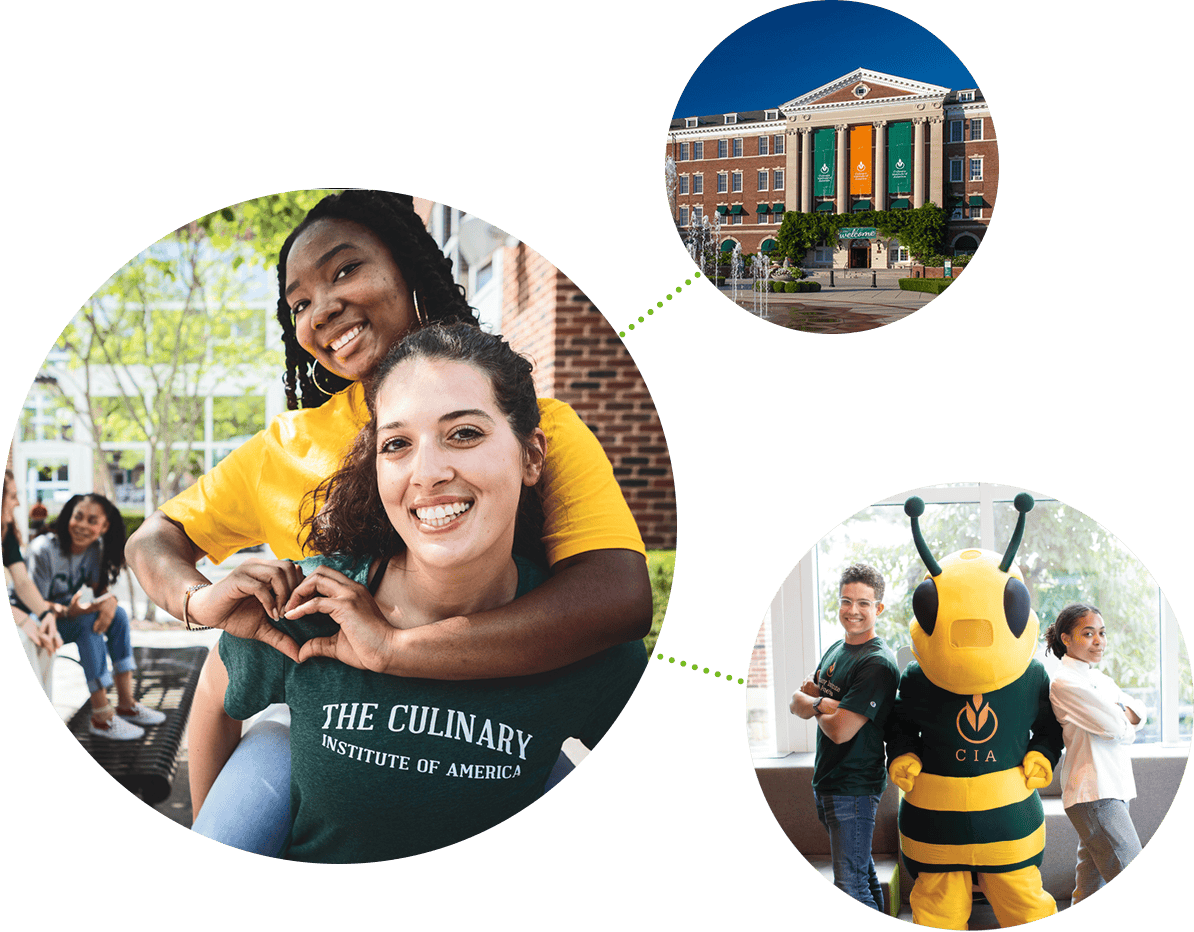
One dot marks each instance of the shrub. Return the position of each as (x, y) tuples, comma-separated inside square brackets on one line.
[(929, 285), (778, 287), (661, 565), (791, 287)]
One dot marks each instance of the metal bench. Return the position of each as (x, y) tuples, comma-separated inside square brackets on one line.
[(165, 679)]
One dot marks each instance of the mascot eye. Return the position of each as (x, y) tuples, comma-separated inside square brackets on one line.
[(924, 605), (1016, 606)]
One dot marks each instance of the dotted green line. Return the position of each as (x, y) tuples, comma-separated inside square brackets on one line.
[(716, 673), (651, 310)]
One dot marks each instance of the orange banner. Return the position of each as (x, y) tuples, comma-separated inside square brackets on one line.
[(860, 159)]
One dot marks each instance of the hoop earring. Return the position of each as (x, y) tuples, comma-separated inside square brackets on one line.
[(313, 374), (419, 318)]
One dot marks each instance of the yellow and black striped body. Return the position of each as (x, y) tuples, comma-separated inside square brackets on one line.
[(970, 807)]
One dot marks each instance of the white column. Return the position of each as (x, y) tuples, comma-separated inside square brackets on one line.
[(918, 166), (806, 171), (843, 179), (936, 160), (879, 201)]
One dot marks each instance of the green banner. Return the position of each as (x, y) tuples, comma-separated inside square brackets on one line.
[(823, 162), (856, 232), (899, 158)]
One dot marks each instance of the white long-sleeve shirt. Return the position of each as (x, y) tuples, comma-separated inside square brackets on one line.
[(1097, 764)]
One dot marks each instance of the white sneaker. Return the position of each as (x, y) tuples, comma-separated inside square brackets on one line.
[(142, 715), (116, 729)]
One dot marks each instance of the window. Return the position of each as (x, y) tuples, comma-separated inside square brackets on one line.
[(976, 213), (763, 180), (698, 150), (976, 169), (697, 212), (823, 255), (958, 214), (683, 157), (779, 179), (1065, 557), (737, 218), (737, 183), (683, 216), (778, 148), (683, 184), (965, 96), (698, 184), (762, 145), (955, 130), (690, 122), (976, 130), (723, 182), (738, 148), (731, 118), (902, 254), (723, 148), (772, 115), (955, 170)]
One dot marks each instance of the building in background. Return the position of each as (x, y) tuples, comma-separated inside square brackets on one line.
[(578, 357), (865, 141)]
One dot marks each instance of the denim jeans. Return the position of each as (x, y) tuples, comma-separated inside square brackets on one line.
[(94, 649), (1107, 843), (850, 821)]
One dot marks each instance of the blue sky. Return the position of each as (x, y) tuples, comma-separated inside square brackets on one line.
[(796, 49)]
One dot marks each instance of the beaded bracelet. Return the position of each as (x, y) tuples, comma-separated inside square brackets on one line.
[(186, 599)]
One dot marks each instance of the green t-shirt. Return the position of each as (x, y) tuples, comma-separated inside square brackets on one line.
[(386, 767), (863, 678)]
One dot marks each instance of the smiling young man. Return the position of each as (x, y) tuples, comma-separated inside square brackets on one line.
[(850, 695)]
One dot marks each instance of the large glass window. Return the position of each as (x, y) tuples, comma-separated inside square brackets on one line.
[(1065, 557), (778, 148), (698, 184), (737, 148), (722, 148), (683, 152), (976, 130), (762, 145), (779, 179), (698, 150)]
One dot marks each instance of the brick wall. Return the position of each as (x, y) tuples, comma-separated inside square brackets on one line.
[(581, 361)]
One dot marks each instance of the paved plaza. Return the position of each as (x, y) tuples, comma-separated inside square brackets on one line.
[(859, 299)]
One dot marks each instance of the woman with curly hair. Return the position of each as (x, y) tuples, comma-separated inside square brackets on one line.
[(430, 515)]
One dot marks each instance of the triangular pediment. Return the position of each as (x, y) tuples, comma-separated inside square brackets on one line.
[(863, 86)]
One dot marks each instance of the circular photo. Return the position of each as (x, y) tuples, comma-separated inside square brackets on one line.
[(282, 491), (970, 707), (831, 167)]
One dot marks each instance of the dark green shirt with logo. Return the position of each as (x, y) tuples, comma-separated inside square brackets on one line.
[(863, 679), (386, 766)]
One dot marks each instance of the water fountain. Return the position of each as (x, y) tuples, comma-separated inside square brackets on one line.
[(735, 271)]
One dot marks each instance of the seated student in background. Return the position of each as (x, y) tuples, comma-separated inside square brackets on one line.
[(74, 566), (850, 695), (1099, 720), (35, 617)]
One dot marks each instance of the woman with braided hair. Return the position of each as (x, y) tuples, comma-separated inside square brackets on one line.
[(354, 277)]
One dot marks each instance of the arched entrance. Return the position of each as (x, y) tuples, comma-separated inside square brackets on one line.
[(860, 254), (965, 245)]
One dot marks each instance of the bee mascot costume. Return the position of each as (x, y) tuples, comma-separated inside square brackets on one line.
[(972, 738)]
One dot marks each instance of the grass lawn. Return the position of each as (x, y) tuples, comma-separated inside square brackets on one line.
[(661, 564)]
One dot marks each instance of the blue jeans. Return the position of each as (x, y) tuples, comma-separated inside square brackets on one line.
[(94, 649), (850, 821), (1107, 843)]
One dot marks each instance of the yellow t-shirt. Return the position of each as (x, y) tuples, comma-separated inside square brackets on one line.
[(254, 494)]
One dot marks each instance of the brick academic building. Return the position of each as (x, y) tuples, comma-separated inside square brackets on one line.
[(578, 357), (866, 141)]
